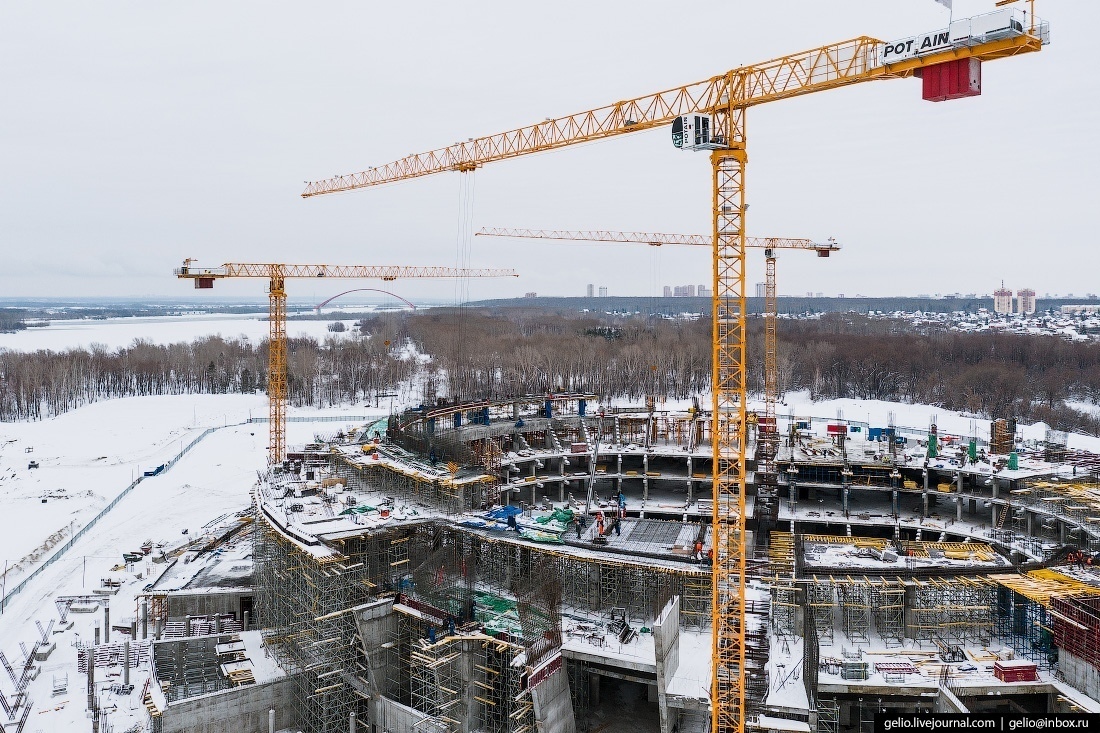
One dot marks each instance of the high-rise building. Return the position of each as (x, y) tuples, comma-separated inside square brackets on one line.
[(704, 292), (1025, 301), (761, 290), (684, 291), (603, 291), (1002, 300), (668, 291), (591, 290)]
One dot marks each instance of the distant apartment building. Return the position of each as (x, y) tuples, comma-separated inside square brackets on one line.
[(683, 291), (1002, 300), (530, 295), (761, 290), (704, 292), (1025, 301), (591, 290), (1081, 309), (668, 291), (603, 291)]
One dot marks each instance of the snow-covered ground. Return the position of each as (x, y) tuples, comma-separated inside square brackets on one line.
[(88, 456), (114, 333)]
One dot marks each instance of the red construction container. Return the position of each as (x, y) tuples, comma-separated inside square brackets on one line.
[(952, 80), (578, 447), (1016, 670)]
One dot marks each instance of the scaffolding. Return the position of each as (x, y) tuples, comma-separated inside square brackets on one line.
[(436, 685), (888, 601), (855, 604), (784, 607), (1024, 616), (822, 603), (306, 594), (828, 715), (505, 706), (305, 598)]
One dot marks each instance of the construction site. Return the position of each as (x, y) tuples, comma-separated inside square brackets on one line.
[(553, 563)]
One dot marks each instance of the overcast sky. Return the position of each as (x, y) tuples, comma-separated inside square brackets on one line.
[(134, 134)]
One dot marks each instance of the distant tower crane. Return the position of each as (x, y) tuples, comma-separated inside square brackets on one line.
[(710, 115), (766, 429), (276, 274)]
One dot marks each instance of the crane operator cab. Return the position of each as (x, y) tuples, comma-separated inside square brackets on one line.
[(694, 132)]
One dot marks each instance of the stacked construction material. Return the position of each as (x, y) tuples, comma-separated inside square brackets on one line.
[(1016, 670)]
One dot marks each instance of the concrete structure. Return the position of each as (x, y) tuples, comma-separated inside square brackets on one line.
[(1025, 301), (450, 555), (1002, 300)]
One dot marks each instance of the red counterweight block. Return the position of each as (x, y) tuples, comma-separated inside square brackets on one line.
[(952, 80)]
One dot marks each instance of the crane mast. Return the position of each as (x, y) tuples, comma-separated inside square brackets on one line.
[(276, 274), (722, 101)]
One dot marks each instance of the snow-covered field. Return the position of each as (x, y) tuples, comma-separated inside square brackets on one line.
[(114, 333), (88, 456)]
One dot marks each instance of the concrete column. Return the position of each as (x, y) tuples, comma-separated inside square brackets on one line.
[(244, 626), (894, 502), (844, 501), (145, 619), (958, 509), (351, 723), (1062, 532), (960, 478), (106, 624), (593, 689), (126, 663), (271, 720), (925, 479), (994, 520), (187, 630), (995, 487), (924, 497), (1030, 523), (792, 495), (133, 630), (97, 633)]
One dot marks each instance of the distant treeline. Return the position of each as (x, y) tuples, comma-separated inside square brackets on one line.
[(480, 353), (36, 385), (11, 319)]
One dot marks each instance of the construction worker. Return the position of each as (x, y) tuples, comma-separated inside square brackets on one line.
[(697, 555), (599, 524), (578, 523)]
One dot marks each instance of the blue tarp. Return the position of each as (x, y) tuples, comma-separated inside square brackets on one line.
[(502, 513)]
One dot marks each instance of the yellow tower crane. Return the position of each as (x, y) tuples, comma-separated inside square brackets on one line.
[(767, 437), (276, 275), (709, 115)]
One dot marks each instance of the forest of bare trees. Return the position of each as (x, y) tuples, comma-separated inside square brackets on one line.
[(478, 353)]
